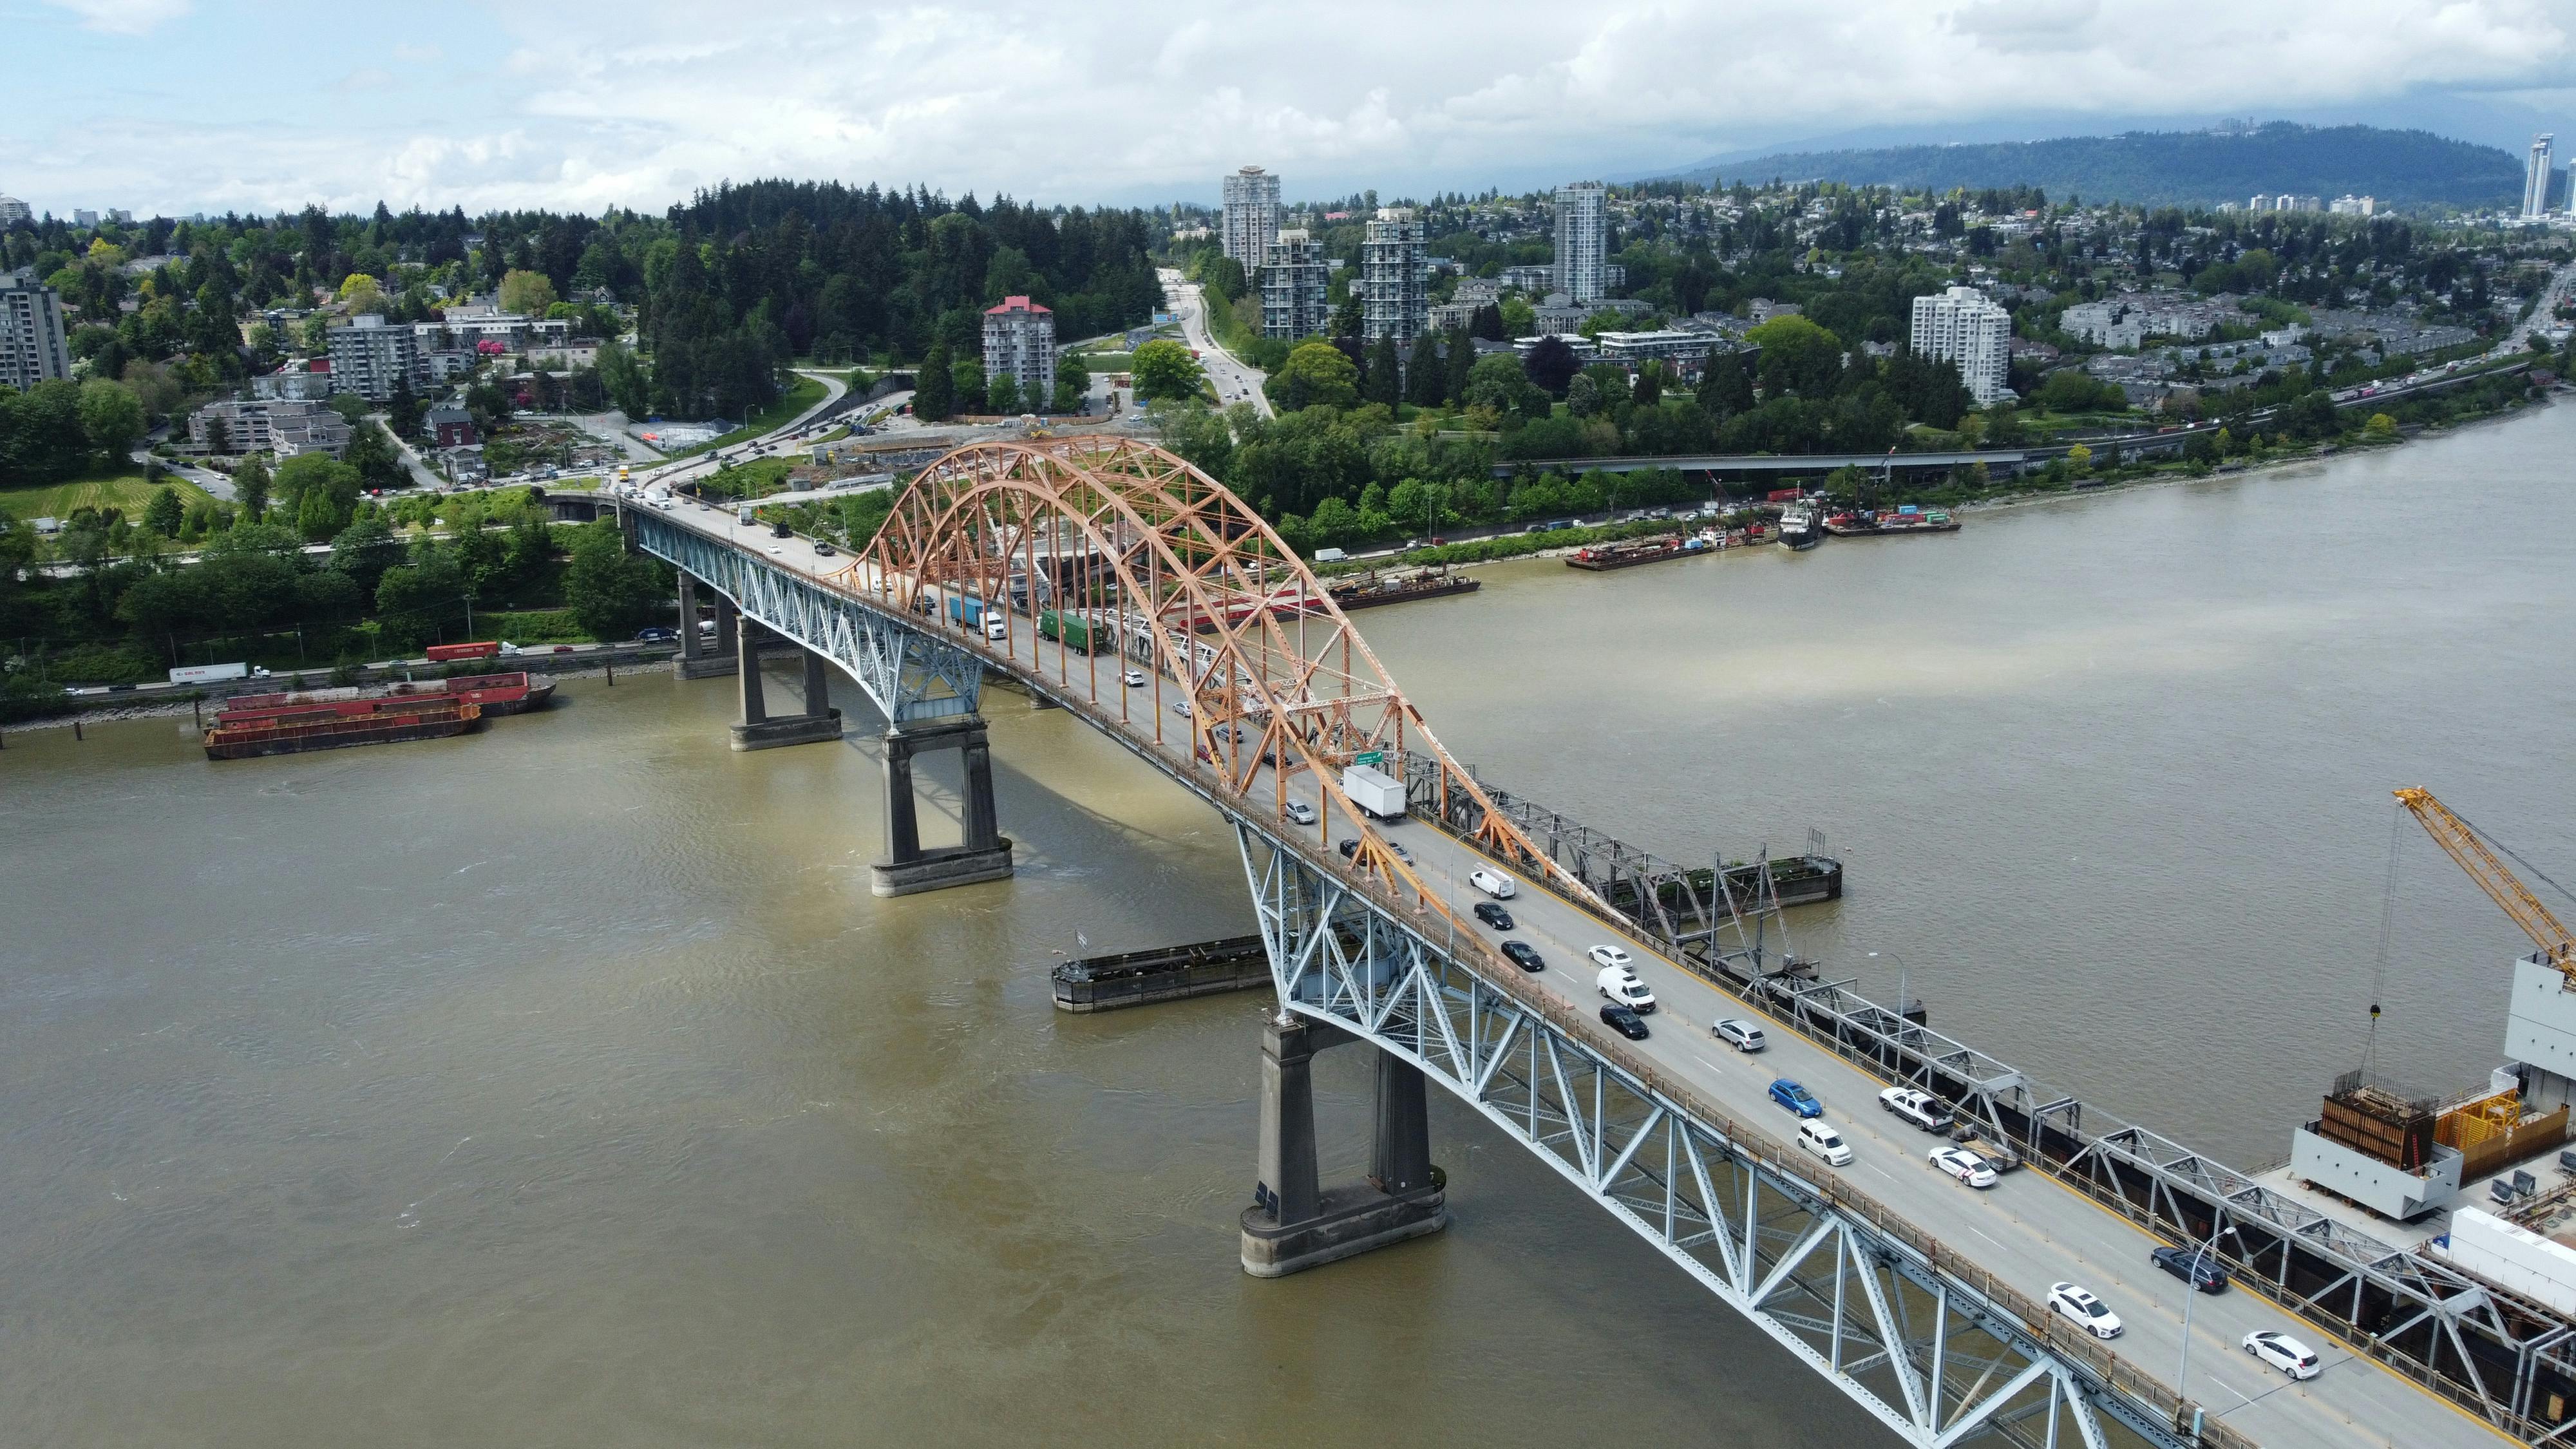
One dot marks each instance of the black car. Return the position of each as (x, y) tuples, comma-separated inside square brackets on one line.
[(825, 550), (1349, 848), (1522, 956), (1493, 915), (656, 635), (2208, 1275), (1625, 1022)]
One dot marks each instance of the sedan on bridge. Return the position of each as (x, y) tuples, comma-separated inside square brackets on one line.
[(1625, 1022), (1493, 915), (1520, 954), (1796, 1098), (2090, 1313), (1610, 956), (2201, 1270), (1135, 679), (1962, 1164), (1296, 812)]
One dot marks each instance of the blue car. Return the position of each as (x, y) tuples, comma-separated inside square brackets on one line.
[(1796, 1098)]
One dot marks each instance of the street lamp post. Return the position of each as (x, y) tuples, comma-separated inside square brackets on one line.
[(2190, 1291)]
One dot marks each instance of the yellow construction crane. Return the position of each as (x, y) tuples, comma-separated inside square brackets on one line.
[(2467, 847)]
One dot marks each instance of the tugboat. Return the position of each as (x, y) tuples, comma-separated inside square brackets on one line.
[(1798, 527)]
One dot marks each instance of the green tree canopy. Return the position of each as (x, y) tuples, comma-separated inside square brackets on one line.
[(111, 417), (1164, 369), (527, 293), (611, 592), (1317, 375)]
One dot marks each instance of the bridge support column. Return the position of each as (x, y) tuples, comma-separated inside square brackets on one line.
[(758, 731), (1297, 1224), (984, 854), (696, 660)]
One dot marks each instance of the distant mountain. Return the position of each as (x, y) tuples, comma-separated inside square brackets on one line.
[(2173, 168)]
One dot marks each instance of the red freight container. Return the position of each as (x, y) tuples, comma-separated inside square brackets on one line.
[(1782, 495), (489, 649)]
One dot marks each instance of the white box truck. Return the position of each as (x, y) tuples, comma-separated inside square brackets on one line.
[(1374, 791), (209, 673)]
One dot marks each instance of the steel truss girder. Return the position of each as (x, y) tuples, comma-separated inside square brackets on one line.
[(1924, 1351), (910, 675)]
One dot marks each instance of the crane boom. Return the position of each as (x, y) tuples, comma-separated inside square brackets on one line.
[(2456, 836)]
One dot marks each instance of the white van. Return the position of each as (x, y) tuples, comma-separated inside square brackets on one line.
[(1622, 986), (1825, 1142)]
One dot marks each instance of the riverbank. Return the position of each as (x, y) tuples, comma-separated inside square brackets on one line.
[(196, 701)]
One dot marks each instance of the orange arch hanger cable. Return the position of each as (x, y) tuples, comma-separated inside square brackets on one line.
[(1118, 545)]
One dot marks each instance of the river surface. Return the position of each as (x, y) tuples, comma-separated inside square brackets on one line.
[(565, 1085)]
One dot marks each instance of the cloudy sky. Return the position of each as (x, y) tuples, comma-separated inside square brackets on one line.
[(184, 105)]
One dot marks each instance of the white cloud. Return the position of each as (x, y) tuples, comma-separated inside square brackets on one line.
[(124, 17), (1156, 98)]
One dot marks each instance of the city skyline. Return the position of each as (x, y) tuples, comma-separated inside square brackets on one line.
[(580, 107)]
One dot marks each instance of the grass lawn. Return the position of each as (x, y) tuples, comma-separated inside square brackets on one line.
[(125, 490), (797, 399)]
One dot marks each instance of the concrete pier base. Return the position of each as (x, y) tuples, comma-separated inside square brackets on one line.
[(793, 729), (1294, 1224), (706, 666), (937, 870)]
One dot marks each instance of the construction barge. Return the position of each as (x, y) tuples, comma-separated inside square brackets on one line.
[(294, 722), (1630, 553), (1166, 973), (1375, 589), (1870, 523)]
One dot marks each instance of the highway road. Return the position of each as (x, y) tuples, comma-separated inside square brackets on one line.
[(2027, 1230), (1234, 379)]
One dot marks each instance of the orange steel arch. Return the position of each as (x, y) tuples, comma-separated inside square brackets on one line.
[(1108, 538)]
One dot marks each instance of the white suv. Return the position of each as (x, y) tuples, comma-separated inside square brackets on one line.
[(2283, 1352), (1744, 1036), (1825, 1142), (1492, 883), (1920, 1108)]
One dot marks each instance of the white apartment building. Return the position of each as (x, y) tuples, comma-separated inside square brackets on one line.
[(372, 359), (278, 426), (1293, 277), (12, 210), (1536, 281), (2351, 205), (1582, 238), (1393, 302), (2535, 178), (1960, 326), (1251, 217), (32, 348), (1019, 340)]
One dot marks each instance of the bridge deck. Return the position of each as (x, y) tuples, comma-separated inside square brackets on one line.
[(2028, 1231)]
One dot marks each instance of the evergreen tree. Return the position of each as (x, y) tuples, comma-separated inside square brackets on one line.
[(1462, 361), (165, 512), (1384, 380), (1487, 323), (1426, 378), (934, 393)]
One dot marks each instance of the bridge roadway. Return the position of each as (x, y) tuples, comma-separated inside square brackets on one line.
[(2027, 1230)]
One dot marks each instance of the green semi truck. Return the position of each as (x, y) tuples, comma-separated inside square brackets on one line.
[(1076, 632)]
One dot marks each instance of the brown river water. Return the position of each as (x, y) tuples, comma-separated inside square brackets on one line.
[(564, 1085)]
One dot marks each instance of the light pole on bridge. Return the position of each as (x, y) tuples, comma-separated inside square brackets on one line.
[(2190, 1291)]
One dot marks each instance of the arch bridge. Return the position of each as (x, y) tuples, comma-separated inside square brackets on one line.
[(1114, 580)]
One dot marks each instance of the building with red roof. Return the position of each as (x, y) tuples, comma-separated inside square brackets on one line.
[(1019, 343)]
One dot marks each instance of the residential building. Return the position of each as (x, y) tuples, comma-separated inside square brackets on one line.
[(1251, 216), (1582, 236), (1392, 302), (32, 348), (2535, 178), (1292, 287), (83, 216), (2351, 205), (12, 210), (372, 359), (1019, 340), (1454, 316), (2261, 202), (1689, 350), (450, 427), (1763, 309), (1558, 316), (307, 382), (1961, 327), (262, 425), (1536, 281), (1478, 290)]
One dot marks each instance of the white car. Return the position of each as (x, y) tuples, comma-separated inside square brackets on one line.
[(1966, 1166), (2283, 1352), (1610, 956), (1744, 1036), (1299, 813), (1920, 1108), (1491, 883), (2090, 1313), (1825, 1142), (1181, 707), (1622, 986), (1135, 679)]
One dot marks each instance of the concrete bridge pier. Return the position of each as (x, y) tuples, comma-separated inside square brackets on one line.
[(1296, 1223), (759, 730), (984, 854), (697, 661)]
